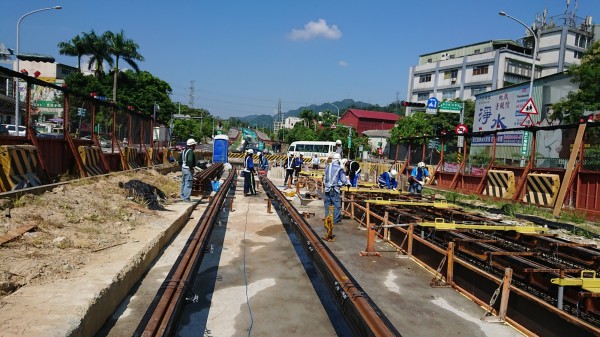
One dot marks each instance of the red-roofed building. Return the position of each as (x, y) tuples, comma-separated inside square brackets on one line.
[(363, 120)]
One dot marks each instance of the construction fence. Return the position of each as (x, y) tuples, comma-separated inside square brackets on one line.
[(554, 166)]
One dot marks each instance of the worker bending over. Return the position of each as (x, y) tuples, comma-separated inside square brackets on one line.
[(418, 177)]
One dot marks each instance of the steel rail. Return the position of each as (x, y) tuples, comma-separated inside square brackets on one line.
[(368, 312), (165, 310)]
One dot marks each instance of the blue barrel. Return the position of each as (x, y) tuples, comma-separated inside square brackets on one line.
[(220, 148)]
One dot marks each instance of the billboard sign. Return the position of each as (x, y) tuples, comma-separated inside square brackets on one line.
[(500, 110)]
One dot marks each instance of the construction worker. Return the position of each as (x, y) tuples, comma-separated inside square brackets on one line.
[(289, 170), (298, 162), (315, 162), (352, 170), (338, 147), (334, 179), (263, 164), (418, 177), (249, 187), (388, 179), (187, 162)]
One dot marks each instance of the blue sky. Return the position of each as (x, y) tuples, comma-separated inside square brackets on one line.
[(244, 56)]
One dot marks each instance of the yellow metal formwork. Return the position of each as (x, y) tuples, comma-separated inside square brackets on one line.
[(436, 204), (587, 281), (18, 164), (441, 224), (542, 189)]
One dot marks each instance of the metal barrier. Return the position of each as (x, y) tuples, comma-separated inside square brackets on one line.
[(92, 160), (130, 158), (542, 189), (19, 166), (500, 184)]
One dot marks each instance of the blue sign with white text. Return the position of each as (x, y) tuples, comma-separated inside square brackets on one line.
[(432, 103)]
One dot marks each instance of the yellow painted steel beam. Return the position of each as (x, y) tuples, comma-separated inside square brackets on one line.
[(373, 190), (442, 225), (436, 204), (587, 281)]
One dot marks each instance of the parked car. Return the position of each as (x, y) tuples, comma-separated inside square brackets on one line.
[(12, 131), (103, 142)]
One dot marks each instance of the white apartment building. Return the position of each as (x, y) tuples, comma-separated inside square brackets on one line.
[(468, 70)]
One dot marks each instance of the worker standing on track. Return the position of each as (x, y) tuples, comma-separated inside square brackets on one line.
[(315, 162), (289, 170), (388, 179), (297, 166), (249, 187), (187, 161), (333, 180), (418, 177)]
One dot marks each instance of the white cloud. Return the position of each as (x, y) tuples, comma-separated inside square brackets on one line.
[(316, 29), (343, 64)]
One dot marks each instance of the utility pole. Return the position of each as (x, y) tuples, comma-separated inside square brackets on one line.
[(191, 98)]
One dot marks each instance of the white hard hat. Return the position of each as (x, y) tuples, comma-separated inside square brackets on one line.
[(337, 156), (259, 153), (393, 172), (344, 161), (421, 164), (191, 142), (291, 154), (250, 151), (338, 142)]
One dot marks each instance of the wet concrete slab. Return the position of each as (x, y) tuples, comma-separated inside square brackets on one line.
[(262, 285)]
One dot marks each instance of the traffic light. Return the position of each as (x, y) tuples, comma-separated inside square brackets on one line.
[(413, 104)]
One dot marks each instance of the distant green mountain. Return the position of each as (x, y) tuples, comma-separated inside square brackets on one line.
[(261, 120)]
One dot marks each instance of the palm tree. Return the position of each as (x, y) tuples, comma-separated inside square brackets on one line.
[(309, 116), (122, 48), (74, 47), (97, 48)]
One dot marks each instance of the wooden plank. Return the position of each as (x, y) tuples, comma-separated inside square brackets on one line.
[(10, 235), (564, 187)]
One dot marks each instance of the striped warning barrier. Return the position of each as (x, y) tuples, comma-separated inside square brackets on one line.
[(542, 189), (500, 184), (92, 162), (166, 154), (131, 158), (154, 155), (19, 166)]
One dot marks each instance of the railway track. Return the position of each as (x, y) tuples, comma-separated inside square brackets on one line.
[(482, 256), (475, 261), (360, 314)]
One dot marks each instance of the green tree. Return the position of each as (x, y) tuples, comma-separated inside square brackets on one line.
[(299, 132), (587, 97), (154, 90), (415, 125), (121, 48), (309, 118), (74, 47)]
